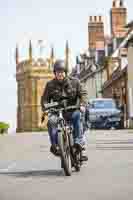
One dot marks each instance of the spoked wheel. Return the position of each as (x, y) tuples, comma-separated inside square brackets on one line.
[(65, 154)]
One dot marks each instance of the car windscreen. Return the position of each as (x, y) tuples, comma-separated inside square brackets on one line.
[(102, 104)]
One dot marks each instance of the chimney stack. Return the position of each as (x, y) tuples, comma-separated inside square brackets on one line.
[(118, 15), (95, 33)]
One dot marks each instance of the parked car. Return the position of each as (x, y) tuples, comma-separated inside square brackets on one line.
[(103, 113)]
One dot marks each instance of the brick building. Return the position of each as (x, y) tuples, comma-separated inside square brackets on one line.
[(119, 72)]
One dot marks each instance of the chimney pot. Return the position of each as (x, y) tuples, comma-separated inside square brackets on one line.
[(114, 3), (100, 18), (90, 18), (121, 3)]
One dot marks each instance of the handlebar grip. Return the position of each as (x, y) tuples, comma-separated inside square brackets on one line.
[(50, 105), (72, 107)]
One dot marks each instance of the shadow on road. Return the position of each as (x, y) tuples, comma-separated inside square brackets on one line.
[(37, 173)]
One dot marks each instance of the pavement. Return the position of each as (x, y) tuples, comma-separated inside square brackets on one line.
[(29, 171)]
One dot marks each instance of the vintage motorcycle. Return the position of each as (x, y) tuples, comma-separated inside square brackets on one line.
[(70, 153)]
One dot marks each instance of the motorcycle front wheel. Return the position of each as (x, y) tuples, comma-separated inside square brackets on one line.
[(65, 153)]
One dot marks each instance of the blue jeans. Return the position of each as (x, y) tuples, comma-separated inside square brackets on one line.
[(75, 118)]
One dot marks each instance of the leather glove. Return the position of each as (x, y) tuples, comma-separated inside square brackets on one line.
[(82, 109), (42, 118)]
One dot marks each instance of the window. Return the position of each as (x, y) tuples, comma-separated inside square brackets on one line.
[(100, 104)]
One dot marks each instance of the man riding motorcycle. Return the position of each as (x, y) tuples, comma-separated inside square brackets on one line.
[(62, 85)]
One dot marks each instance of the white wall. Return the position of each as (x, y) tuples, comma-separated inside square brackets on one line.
[(91, 87)]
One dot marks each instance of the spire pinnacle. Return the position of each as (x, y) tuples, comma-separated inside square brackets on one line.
[(52, 57), (30, 50), (67, 56), (17, 55)]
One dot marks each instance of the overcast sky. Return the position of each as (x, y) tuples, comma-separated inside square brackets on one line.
[(53, 21)]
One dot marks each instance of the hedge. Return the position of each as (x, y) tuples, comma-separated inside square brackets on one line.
[(4, 127)]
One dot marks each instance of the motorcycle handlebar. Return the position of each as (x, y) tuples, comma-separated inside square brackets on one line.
[(54, 106), (60, 103)]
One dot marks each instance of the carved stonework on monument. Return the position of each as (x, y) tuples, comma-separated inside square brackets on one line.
[(31, 77)]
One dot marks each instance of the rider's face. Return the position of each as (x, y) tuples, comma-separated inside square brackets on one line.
[(60, 75)]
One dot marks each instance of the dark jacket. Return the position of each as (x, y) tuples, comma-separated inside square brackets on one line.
[(70, 87)]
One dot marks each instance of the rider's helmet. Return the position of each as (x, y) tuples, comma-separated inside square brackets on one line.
[(59, 65)]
